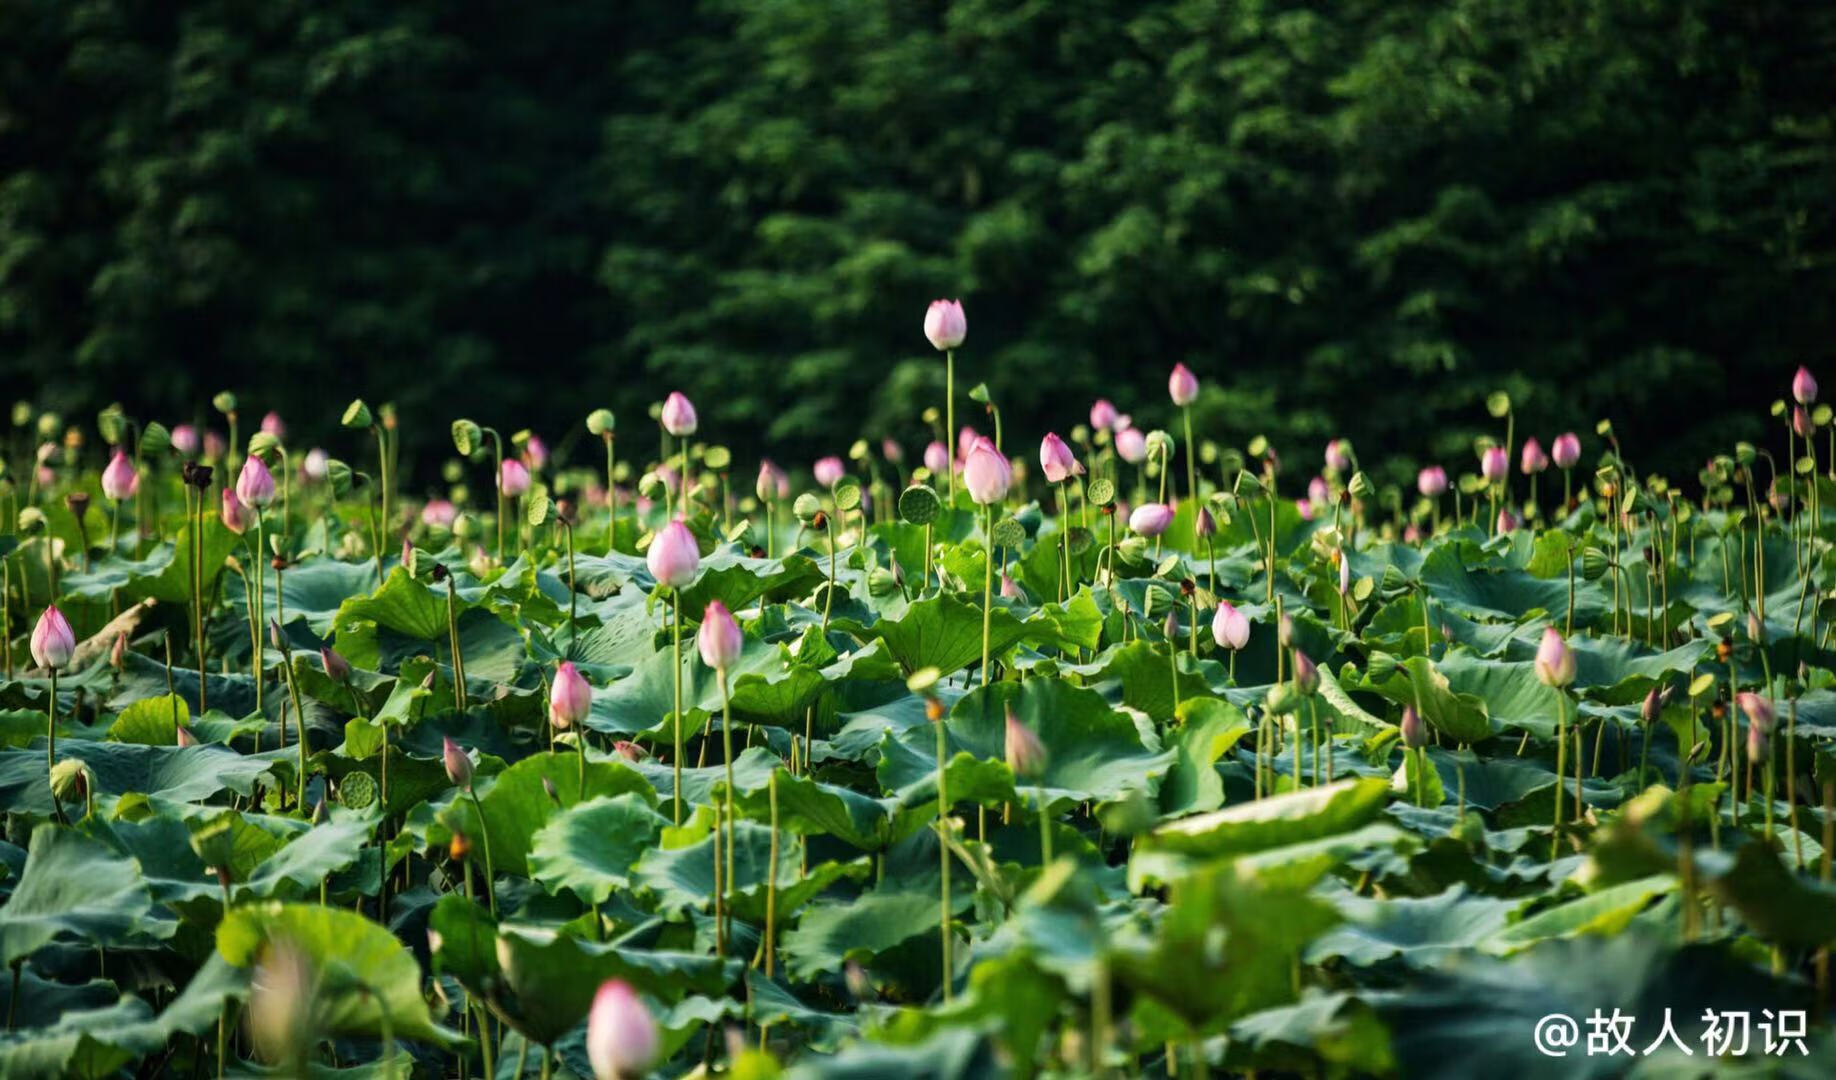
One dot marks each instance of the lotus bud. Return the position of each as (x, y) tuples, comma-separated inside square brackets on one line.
[(1102, 415), (860, 987), (458, 763), (1338, 456), (120, 480), (255, 485), (945, 325), (829, 471), (117, 653), (1759, 744), (1653, 706), (439, 514), (1182, 385), (1131, 444), (272, 424), (215, 446), (1230, 628), (1431, 482), (512, 478), (1531, 459), (337, 668), (986, 473), (1344, 575), (1205, 525), (622, 1041), (1306, 675), (535, 453), (1150, 519), (630, 751), (1169, 628), (1555, 661), (673, 558), (1026, 755), (281, 1004), (1756, 629), (1804, 387), (770, 480), (1507, 521), (937, 458), (1801, 422), (1566, 450), (1305, 508), (185, 439), (570, 698), (1056, 460), (184, 736), (1319, 493), (53, 643), (1009, 591), (678, 415), (316, 464), (720, 637), (1493, 464), (1758, 709), (1414, 731), (1284, 631)]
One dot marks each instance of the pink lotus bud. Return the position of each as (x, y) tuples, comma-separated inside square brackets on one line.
[(630, 751), (1414, 732), (184, 736), (1756, 628), (570, 698), (945, 325), (1151, 519), (1102, 415), (316, 464), (679, 415), (674, 558), (233, 518), (1306, 675), (1758, 710), (458, 764), (1494, 463), (337, 668), (255, 485), (185, 439), (120, 480), (1507, 521), (117, 653), (937, 458), (1318, 491), (720, 637), (1026, 755), (1652, 708), (1205, 524), (1566, 450), (535, 453), (512, 478), (772, 484), (1230, 628), (986, 474), (1132, 445), (273, 425), (965, 442), (1009, 591), (1531, 459), (1801, 422), (1182, 385), (53, 643), (1411, 534), (439, 513), (829, 470), (622, 1040), (1305, 508), (1338, 460), (1169, 627), (892, 451), (1431, 482), (1555, 661), (1056, 460), (1284, 631), (1804, 387), (214, 445)]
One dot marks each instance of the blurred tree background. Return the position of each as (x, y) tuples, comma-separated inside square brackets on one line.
[(1349, 218)]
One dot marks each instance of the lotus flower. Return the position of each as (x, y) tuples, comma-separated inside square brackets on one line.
[(233, 518), (1494, 463), (120, 480), (1801, 422), (1759, 744), (945, 325), (966, 439), (1431, 482), (255, 485), (1026, 755), (1151, 519), (720, 638), (1318, 491), (53, 643), (535, 453), (1566, 450), (772, 484), (1758, 710), (1182, 385), (512, 478), (621, 1040), (1230, 628), (678, 415), (1338, 458), (185, 439), (1531, 459), (1103, 415), (1304, 508), (273, 425), (1009, 590), (570, 698), (829, 471), (892, 451), (1414, 732), (986, 474), (1056, 460), (1804, 387), (1132, 445), (937, 458), (316, 464), (674, 558), (458, 763), (1306, 675), (1555, 661), (439, 513)]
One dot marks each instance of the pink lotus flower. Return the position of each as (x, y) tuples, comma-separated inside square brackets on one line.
[(439, 513), (535, 453), (986, 474), (273, 425), (1494, 463), (570, 698), (185, 439), (1182, 385), (772, 484), (233, 518), (679, 415), (937, 458), (1804, 387), (1318, 491), (1056, 460), (512, 478), (1132, 445), (945, 325), (1555, 661), (1338, 459), (1566, 450), (1102, 415), (458, 764), (674, 558), (1026, 755), (621, 1040), (1150, 519), (1531, 459), (1431, 482), (720, 637), (255, 486), (1230, 628), (829, 470), (53, 643), (120, 480)]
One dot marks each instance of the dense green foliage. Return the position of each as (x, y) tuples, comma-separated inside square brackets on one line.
[(1348, 218)]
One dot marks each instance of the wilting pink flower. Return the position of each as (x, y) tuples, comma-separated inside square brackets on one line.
[(120, 480), (1804, 387), (679, 415), (1338, 459), (986, 473), (512, 478), (829, 470), (1801, 422), (458, 764), (1151, 519), (1230, 628), (53, 643), (1102, 415), (535, 453), (1555, 661), (1494, 463), (439, 513), (1431, 482), (674, 558), (1531, 459), (1056, 459), (185, 439), (1306, 674), (1182, 385), (772, 484), (622, 1040), (1132, 445), (1318, 491), (1566, 450), (233, 518), (1414, 732), (274, 425), (1026, 755), (316, 464), (720, 638), (255, 485), (570, 698), (937, 458), (945, 325), (1507, 521), (892, 451)]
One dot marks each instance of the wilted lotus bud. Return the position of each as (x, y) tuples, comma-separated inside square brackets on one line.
[(1758, 709), (1431, 482), (945, 325), (185, 439), (1102, 415), (1566, 450), (281, 1004), (337, 668), (986, 473), (233, 518), (1338, 458), (1654, 704), (1026, 755), (1493, 464), (458, 763), (53, 643), (1414, 731), (1056, 460), (1804, 387), (1182, 386), (622, 1040), (1531, 459), (512, 478), (570, 698), (272, 424), (1009, 591), (1131, 444), (678, 415), (120, 480), (1150, 519), (829, 470), (937, 458), (1555, 661), (674, 558), (1230, 628), (1306, 675), (720, 638)]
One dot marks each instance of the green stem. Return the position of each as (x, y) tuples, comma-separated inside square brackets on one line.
[(987, 585), (484, 834), (943, 855), (675, 602), (949, 439), (1555, 833)]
